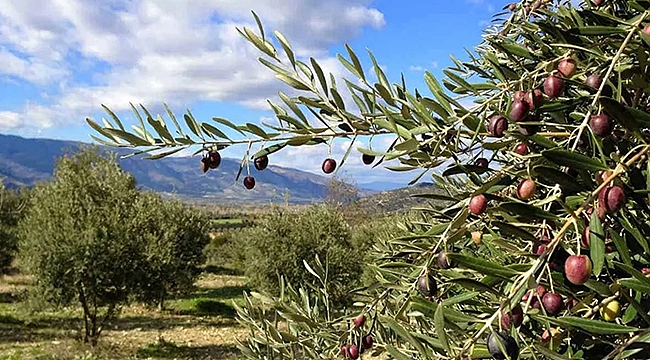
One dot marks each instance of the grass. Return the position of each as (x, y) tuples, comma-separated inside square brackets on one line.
[(200, 325)]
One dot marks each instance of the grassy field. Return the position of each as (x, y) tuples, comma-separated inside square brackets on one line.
[(201, 325)]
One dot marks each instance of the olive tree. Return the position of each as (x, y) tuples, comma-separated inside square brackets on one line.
[(279, 243), (540, 246), (175, 235), (78, 241)]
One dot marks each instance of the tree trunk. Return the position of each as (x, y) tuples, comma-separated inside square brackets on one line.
[(84, 305), (161, 301), (109, 314)]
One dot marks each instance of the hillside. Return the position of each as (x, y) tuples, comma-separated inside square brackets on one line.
[(398, 200), (24, 162)]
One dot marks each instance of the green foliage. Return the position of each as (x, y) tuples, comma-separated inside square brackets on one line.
[(227, 250), (90, 237), (77, 241), (495, 251), (11, 210), (371, 232), (282, 239), (175, 237)]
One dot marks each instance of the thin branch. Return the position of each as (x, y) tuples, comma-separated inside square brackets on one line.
[(618, 55)]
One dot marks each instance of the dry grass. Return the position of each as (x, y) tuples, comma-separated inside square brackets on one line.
[(200, 326)]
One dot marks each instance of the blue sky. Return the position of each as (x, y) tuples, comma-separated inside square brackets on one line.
[(61, 59)]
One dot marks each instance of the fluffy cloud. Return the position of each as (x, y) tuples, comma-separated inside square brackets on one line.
[(149, 51)]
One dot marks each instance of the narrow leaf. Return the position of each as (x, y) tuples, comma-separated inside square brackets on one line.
[(401, 332), (355, 61), (319, 74), (212, 130), (293, 82), (439, 323), (164, 154), (228, 124), (270, 150), (396, 353), (573, 160), (482, 266), (527, 211), (596, 243), (192, 124), (634, 272), (589, 325), (286, 47), (130, 138)]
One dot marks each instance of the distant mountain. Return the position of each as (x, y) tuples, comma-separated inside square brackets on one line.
[(23, 162)]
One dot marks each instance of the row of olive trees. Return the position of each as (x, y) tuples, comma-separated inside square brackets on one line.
[(90, 237)]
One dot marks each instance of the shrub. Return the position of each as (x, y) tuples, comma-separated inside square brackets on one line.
[(282, 239), (11, 210), (174, 237)]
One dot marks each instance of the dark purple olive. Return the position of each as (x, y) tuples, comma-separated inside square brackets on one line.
[(593, 81), (570, 303), (611, 198), (519, 96), (567, 67), (521, 149), (498, 125), (585, 241), (214, 159), (502, 340), (478, 204), (353, 352), (367, 159), (535, 99), (481, 162), (205, 164), (601, 125), (514, 317), (519, 111), (249, 182), (444, 262), (427, 285), (329, 165), (552, 303), (553, 86), (366, 342), (261, 162), (528, 129)]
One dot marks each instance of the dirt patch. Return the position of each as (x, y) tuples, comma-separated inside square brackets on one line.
[(201, 325)]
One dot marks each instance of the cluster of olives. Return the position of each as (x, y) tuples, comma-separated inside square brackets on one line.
[(353, 351), (212, 160)]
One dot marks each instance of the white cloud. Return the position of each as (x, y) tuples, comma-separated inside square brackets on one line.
[(160, 50), (418, 68), (9, 119)]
